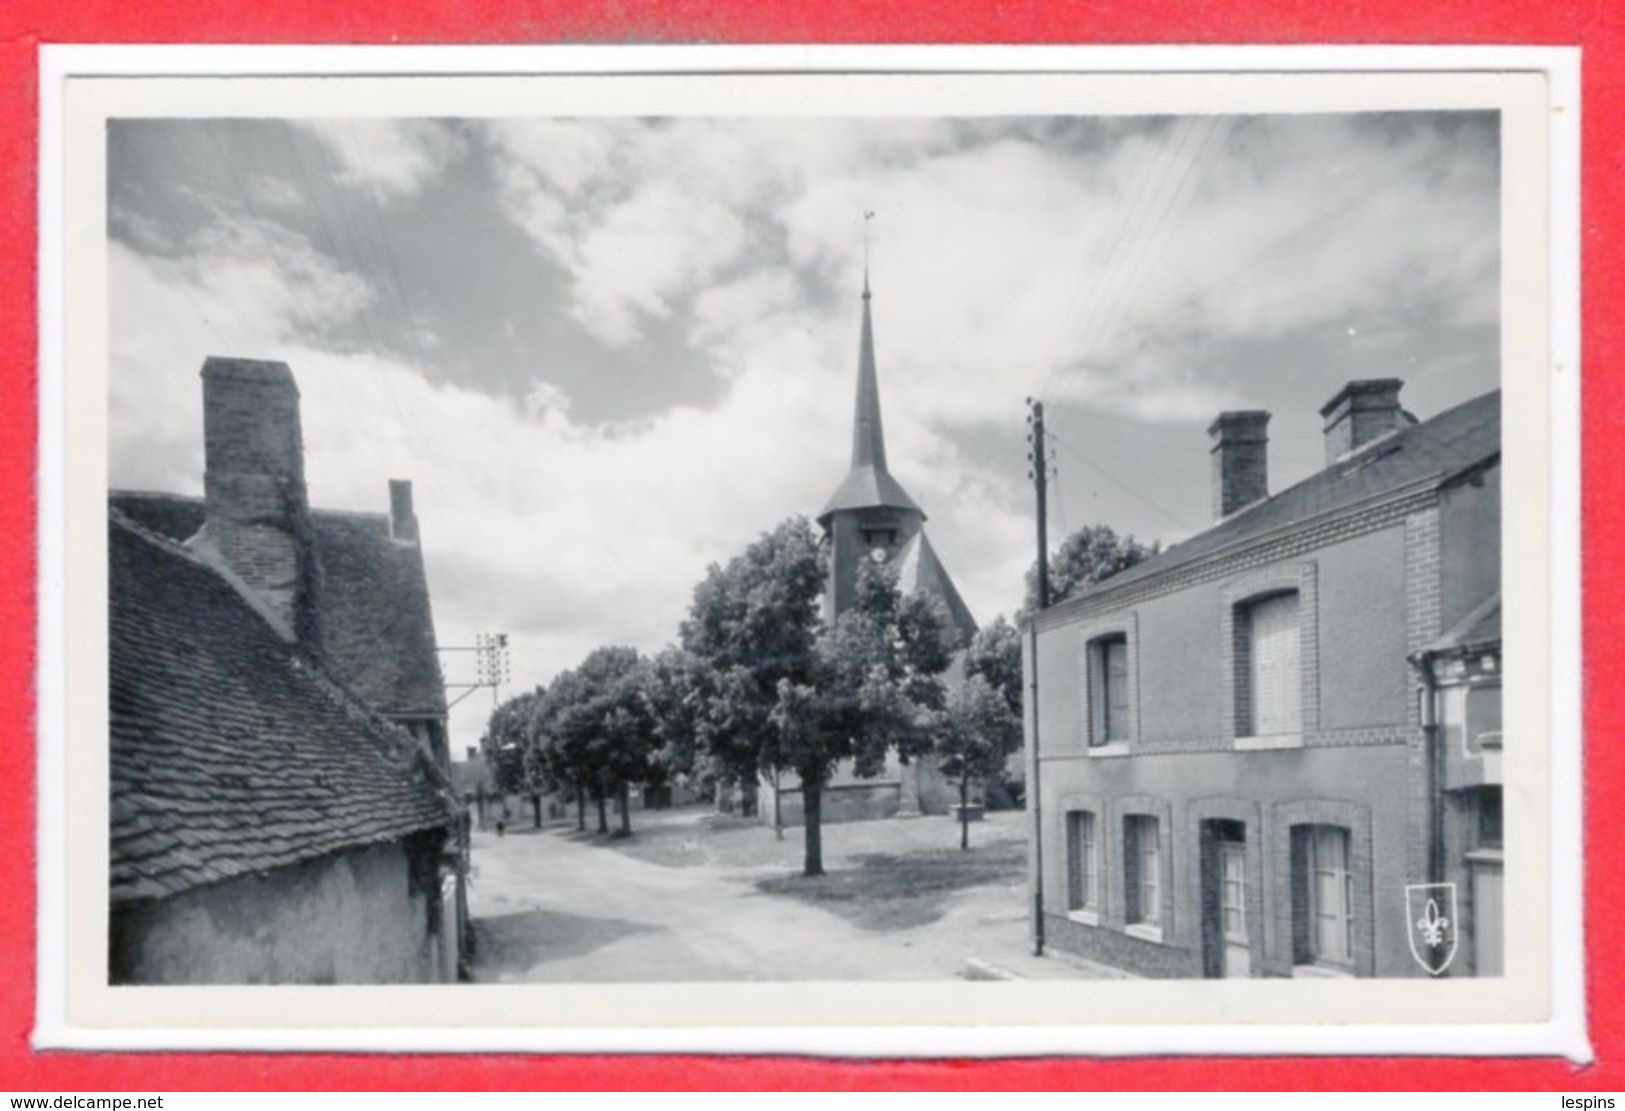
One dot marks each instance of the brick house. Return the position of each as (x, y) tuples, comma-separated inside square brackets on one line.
[(1240, 739), (281, 805)]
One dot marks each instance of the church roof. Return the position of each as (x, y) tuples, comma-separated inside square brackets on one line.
[(232, 753), (920, 571), (377, 625), (868, 484)]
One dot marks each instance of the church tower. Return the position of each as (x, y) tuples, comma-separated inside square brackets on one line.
[(870, 516)]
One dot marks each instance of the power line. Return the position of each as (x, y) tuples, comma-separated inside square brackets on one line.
[(1142, 203), (1119, 483), (1155, 241), (1151, 165), (1087, 291)]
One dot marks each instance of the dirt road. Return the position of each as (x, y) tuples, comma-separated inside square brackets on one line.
[(550, 908)]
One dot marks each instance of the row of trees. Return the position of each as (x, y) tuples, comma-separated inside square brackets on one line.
[(759, 684)]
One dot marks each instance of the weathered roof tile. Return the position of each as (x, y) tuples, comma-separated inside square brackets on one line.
[(220, 733)]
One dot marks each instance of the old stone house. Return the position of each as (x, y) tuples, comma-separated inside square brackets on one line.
[(871, 518), (1240, 741), (281, 806)]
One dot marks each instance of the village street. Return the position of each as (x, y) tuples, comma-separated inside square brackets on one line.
[(551, 907)]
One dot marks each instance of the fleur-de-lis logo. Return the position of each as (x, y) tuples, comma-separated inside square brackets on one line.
[(1430, 910), (1433, 925)]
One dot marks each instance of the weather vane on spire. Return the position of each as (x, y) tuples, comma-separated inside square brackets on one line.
[(867, 216)]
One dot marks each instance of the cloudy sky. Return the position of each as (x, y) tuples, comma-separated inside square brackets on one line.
[(611, 351)]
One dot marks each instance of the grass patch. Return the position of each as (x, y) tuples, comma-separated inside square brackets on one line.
[(890, 891)]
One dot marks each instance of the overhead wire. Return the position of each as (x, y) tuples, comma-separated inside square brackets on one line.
[(1119, 483), (1129, 241)]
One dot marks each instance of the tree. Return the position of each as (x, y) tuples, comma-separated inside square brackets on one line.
[(752, 624), (677, 685), (994, 654), (979, 730), (1092, 554), (508, 745), (875, 686), (600, 729)]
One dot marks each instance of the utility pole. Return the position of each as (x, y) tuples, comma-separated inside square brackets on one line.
[(1039, 473), (490, 665)]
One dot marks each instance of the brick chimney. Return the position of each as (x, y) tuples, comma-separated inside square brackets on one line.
[(1240, 460), (403, 522), (1362, 411), (256, 511)]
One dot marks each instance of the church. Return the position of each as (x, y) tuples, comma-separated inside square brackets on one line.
[(871, 517)]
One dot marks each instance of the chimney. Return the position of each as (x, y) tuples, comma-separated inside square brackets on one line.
[(1240, 460), (403, 522), (1362, 411), (256, 512)]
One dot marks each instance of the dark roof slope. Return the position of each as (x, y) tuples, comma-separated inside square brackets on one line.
[(920, 571), (232, 754), (868, 487), (377, 623), (1454, 440), (377, 626)]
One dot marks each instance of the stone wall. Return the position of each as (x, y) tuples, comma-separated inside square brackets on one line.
[(351, 918)]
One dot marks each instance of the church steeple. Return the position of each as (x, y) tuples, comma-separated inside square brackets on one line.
[(868, 434), (869, 484)]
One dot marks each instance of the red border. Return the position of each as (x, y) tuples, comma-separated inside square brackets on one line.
[(1595, 26)]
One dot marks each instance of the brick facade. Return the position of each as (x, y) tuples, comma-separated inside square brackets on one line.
[(1361, 547)]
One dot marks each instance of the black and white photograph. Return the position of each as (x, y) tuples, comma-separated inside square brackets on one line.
[(637, 546)]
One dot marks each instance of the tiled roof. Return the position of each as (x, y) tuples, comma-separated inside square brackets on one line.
[(377, 624), (1455, 440), (231, 753), (920, 571)]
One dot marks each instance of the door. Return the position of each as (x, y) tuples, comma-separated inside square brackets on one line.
[(1487, 940), (1237, 953), (1228, 951)]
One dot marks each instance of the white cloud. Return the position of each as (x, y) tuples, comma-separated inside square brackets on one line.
[(1009, 265), (393, 158)]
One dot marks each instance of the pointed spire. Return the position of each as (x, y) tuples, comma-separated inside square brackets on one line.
[(868, 484), (868, 436)]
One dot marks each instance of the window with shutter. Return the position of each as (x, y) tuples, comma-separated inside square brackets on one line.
[(1108, 690), (1272, 678), (1142, 870), (1116, 694), (1083, 886)]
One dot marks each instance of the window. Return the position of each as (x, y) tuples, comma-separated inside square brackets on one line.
[(1108, 686), (1483, 717), (1083, 877), (1142, 864), (1489, 818), (1324, 896), (1268, 678)]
